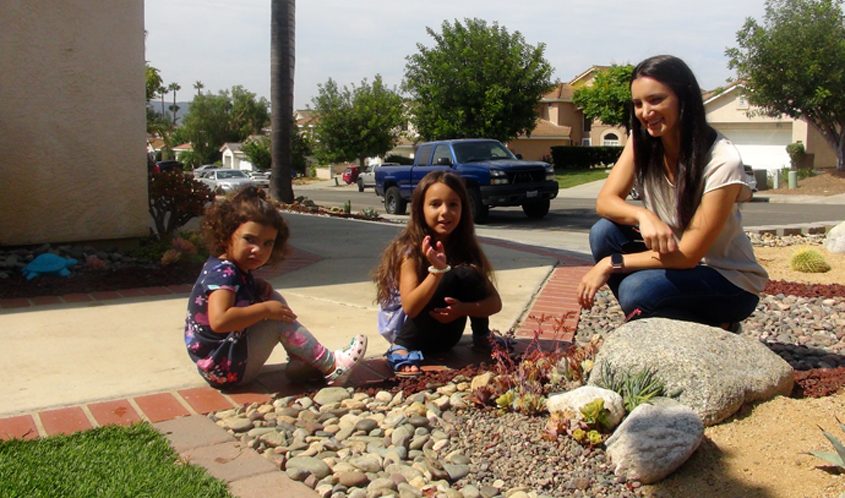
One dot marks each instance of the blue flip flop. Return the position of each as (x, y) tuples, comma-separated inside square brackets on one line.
[(398, 360)]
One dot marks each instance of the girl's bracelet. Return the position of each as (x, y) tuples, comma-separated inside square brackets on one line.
[(436, 271)]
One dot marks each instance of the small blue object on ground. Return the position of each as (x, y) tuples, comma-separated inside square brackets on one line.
[(47, 264)]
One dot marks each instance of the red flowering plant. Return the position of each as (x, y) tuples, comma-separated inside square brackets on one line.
[(175, 198)]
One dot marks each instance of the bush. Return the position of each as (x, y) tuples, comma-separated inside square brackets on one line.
[(174, 199), (796, 154), (577, 157)]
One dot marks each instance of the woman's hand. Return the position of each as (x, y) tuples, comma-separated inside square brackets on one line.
[(434, 253), (277, 311), (454, 309), (657, 235), (592, 282)]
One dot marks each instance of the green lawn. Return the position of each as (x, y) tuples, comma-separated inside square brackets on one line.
[(573, 177), (111, 461)]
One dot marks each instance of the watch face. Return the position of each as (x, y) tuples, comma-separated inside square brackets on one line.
[(616, 260)]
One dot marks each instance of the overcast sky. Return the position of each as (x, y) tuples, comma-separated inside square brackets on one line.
[(227, 42)]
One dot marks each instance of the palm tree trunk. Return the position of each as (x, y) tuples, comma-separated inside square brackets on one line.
[(282, 56)]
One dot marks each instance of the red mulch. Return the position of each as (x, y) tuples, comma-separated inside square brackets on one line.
[(818, 383)]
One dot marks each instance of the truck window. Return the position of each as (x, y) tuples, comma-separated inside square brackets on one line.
[(441, 150), (423, 155), (468, 152)]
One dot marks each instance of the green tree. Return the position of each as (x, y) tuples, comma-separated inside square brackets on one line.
[(153, 81), (356, 122), (794, 64), (477, 81), (249, 114), (282, 55), (213, 120), (257, 150), (608, 97)]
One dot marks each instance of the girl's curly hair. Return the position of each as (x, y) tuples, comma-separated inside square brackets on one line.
[(223, 218)]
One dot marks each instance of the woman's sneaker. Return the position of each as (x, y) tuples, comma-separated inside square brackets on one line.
[(345, 360)]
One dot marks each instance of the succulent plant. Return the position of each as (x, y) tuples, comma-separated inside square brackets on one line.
[(635, 388), (838, 458), (808, 261), (595, 414), (529, 404), (505, 401)]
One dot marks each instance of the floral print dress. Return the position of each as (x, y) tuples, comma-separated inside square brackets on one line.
[(220, 358)]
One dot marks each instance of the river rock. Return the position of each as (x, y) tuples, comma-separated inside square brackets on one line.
[(328, 395), (654, 441), (835, 239), (312, 465)]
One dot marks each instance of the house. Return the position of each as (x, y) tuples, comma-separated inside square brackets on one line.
[(560, 122), (762, 139), (234, 157), (73, 130)]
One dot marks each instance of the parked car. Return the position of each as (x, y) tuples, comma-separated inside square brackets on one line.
[(260, 178), (165, 166), (223, 181), (493, 176), (367, 178), (350, 175), (205, 167), (752, 180)]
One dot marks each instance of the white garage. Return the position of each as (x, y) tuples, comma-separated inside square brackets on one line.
[(761, 145)]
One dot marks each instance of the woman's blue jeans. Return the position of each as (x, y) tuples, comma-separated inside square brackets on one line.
[(697, 294)]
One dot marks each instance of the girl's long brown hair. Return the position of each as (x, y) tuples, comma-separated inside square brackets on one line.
[(461, 246)]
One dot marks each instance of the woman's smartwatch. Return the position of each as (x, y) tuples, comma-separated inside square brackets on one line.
[(617, 263)]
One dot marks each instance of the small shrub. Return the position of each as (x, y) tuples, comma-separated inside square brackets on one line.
[(809, 261), (635, 388), (347, 207), (838, 458), (369, 213), (174, 199), (796, 154)]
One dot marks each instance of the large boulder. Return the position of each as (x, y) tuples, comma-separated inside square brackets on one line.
[(712, 371), (835, 239), (654, 441)]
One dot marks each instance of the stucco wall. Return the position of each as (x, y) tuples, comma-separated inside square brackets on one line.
[(72, 121)]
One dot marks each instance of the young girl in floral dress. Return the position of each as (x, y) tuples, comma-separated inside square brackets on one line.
[(235, 319)]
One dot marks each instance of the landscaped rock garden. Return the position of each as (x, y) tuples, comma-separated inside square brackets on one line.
[(548, 423)]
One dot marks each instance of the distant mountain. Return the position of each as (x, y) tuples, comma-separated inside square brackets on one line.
[(155, 105)]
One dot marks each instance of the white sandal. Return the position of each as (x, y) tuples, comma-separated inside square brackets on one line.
[(345, 360)]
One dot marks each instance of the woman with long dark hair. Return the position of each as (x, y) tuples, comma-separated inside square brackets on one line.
[(683, 254)]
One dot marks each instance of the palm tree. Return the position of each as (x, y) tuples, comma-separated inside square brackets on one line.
[(282, 56), (199, 86), (174, 87), (162, 91)]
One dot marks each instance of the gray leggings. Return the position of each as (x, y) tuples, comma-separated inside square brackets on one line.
[(298, 342)]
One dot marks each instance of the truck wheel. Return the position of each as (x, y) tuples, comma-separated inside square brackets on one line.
[(480, 212), (536, 209), (360, 185), (393, 202)]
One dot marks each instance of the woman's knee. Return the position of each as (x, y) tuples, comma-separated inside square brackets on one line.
[(603, 233)]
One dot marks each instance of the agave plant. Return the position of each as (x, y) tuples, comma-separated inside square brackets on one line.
[(838, 458)]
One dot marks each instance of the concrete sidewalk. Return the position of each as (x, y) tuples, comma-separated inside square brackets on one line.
[(71, 353)]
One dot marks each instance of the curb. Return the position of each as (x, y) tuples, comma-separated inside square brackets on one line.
[(818, 227)]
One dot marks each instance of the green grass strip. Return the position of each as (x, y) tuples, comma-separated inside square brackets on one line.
[(110, 461), (567, 178)]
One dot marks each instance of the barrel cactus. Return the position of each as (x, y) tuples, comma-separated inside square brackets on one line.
[(809, 261)]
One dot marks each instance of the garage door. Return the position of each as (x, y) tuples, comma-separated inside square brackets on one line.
[(762, 146)]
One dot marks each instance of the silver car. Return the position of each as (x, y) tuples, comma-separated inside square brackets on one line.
[(223, 181), (367, 178)]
